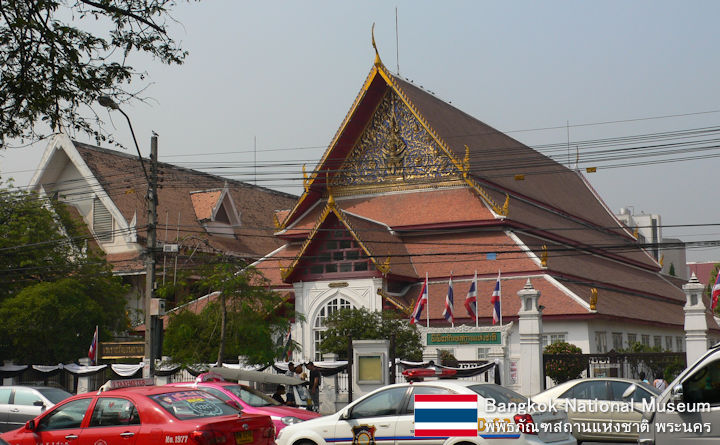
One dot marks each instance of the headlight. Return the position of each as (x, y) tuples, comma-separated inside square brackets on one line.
[(289, 420)]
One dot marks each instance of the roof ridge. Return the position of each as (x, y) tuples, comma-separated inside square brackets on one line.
[(111, 152)]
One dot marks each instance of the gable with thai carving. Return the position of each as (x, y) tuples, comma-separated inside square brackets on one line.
[(394, 150)]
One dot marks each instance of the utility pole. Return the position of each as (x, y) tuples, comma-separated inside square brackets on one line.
[(150, 258)]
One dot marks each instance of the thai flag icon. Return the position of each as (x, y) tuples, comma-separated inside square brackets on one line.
[(446, 415)]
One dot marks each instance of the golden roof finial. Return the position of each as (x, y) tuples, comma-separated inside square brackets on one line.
[(636, 232), (306, 182), (544, 256), (276, 221), (384, 268), (378, 62), (331, 200), (506, 205), (662, 259), (593, 299)]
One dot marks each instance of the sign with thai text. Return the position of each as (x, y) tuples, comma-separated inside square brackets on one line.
[(123, 349), (463, 338)]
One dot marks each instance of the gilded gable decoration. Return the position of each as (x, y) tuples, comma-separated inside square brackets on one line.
[(593, 299), (395, 148), (544, 256)]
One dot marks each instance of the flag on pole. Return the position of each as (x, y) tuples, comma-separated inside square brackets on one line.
[(92, 352), (449, 303), (715, 292), (422, 301), (471, 299), (288, 345), (495, 300)]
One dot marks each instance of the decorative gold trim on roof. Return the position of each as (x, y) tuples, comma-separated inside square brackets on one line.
[(544, 256), (368, 80), (473, 183), (395, 302), (378, 62), (276, 221), (306, 182), (593, 299), (332, 208), (506, 205), (466, 162)]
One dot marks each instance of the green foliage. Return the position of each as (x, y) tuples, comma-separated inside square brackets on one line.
[(58, 56), (62, 314), (671, 271), (362, 324), (562, 369), (256, 317), (51, 291), (447, 358)]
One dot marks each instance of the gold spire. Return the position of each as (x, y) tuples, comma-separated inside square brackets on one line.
[(593, 299), (544, 256), (378, 62), (306, 181)]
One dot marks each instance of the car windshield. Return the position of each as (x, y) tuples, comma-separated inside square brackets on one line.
[(251, 396), (498, 393), (55, 395), (193, 404)]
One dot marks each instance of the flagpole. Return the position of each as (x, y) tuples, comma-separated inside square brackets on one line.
[(476, 302), (500, 297), (452, 315), (427, 311)]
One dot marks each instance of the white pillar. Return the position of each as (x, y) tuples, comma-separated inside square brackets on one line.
[(695, 321), (529, 327)]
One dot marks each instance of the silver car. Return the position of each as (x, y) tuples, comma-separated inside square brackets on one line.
[(597, 409), (18, 404)]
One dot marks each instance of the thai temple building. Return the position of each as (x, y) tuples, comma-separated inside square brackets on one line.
[(411, 188)]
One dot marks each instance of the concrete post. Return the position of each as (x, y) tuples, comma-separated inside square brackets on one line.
[(530, 329), (695, 321)]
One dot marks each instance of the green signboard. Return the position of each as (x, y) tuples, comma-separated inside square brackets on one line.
[(463, 338)]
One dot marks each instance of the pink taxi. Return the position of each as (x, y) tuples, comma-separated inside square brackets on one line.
[(249, 400)]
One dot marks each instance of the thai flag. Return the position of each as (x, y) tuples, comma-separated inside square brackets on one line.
[(422, 301), (715, 292), (446, 415), (448, 311), (471, 299), (495, 300), (92, 352)]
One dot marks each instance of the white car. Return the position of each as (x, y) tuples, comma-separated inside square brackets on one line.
[(387, 416)]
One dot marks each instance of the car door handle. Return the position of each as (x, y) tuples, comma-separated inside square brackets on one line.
[(71, 436), (127, 434), (386, 425), (14, 410)]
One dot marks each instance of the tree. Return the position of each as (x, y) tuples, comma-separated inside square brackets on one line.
[(363, 324), (63, 314), (52, 289), (51, 65), (243, 318), (567, 366)]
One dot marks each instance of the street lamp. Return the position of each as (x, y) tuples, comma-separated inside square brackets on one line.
[(107, 102)]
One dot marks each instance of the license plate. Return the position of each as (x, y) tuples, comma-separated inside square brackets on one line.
[(243, 437)]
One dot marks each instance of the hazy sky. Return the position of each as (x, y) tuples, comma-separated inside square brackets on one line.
[(286, 74)]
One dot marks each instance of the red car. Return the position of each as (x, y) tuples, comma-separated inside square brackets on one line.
[(122, 415), (250, 400)]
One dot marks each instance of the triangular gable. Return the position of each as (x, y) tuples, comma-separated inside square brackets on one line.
[(324, 228), (215, 205), (384, 140)]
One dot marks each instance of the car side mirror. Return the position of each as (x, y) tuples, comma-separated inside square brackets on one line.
[(345, 415), (676, 394), (39, 403), (30, 425), (629, 391)]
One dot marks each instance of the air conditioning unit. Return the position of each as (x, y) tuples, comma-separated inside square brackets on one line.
[(157, 306), (170, 248)]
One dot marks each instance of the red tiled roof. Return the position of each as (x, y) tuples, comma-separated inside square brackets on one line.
[(204, 203), (121, 177)]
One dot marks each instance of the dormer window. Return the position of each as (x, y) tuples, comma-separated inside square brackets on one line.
[(215, 210)]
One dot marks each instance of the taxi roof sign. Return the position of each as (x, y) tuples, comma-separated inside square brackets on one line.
[(125, 383)]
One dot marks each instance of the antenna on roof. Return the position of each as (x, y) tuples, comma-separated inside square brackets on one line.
[(397, 45)]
